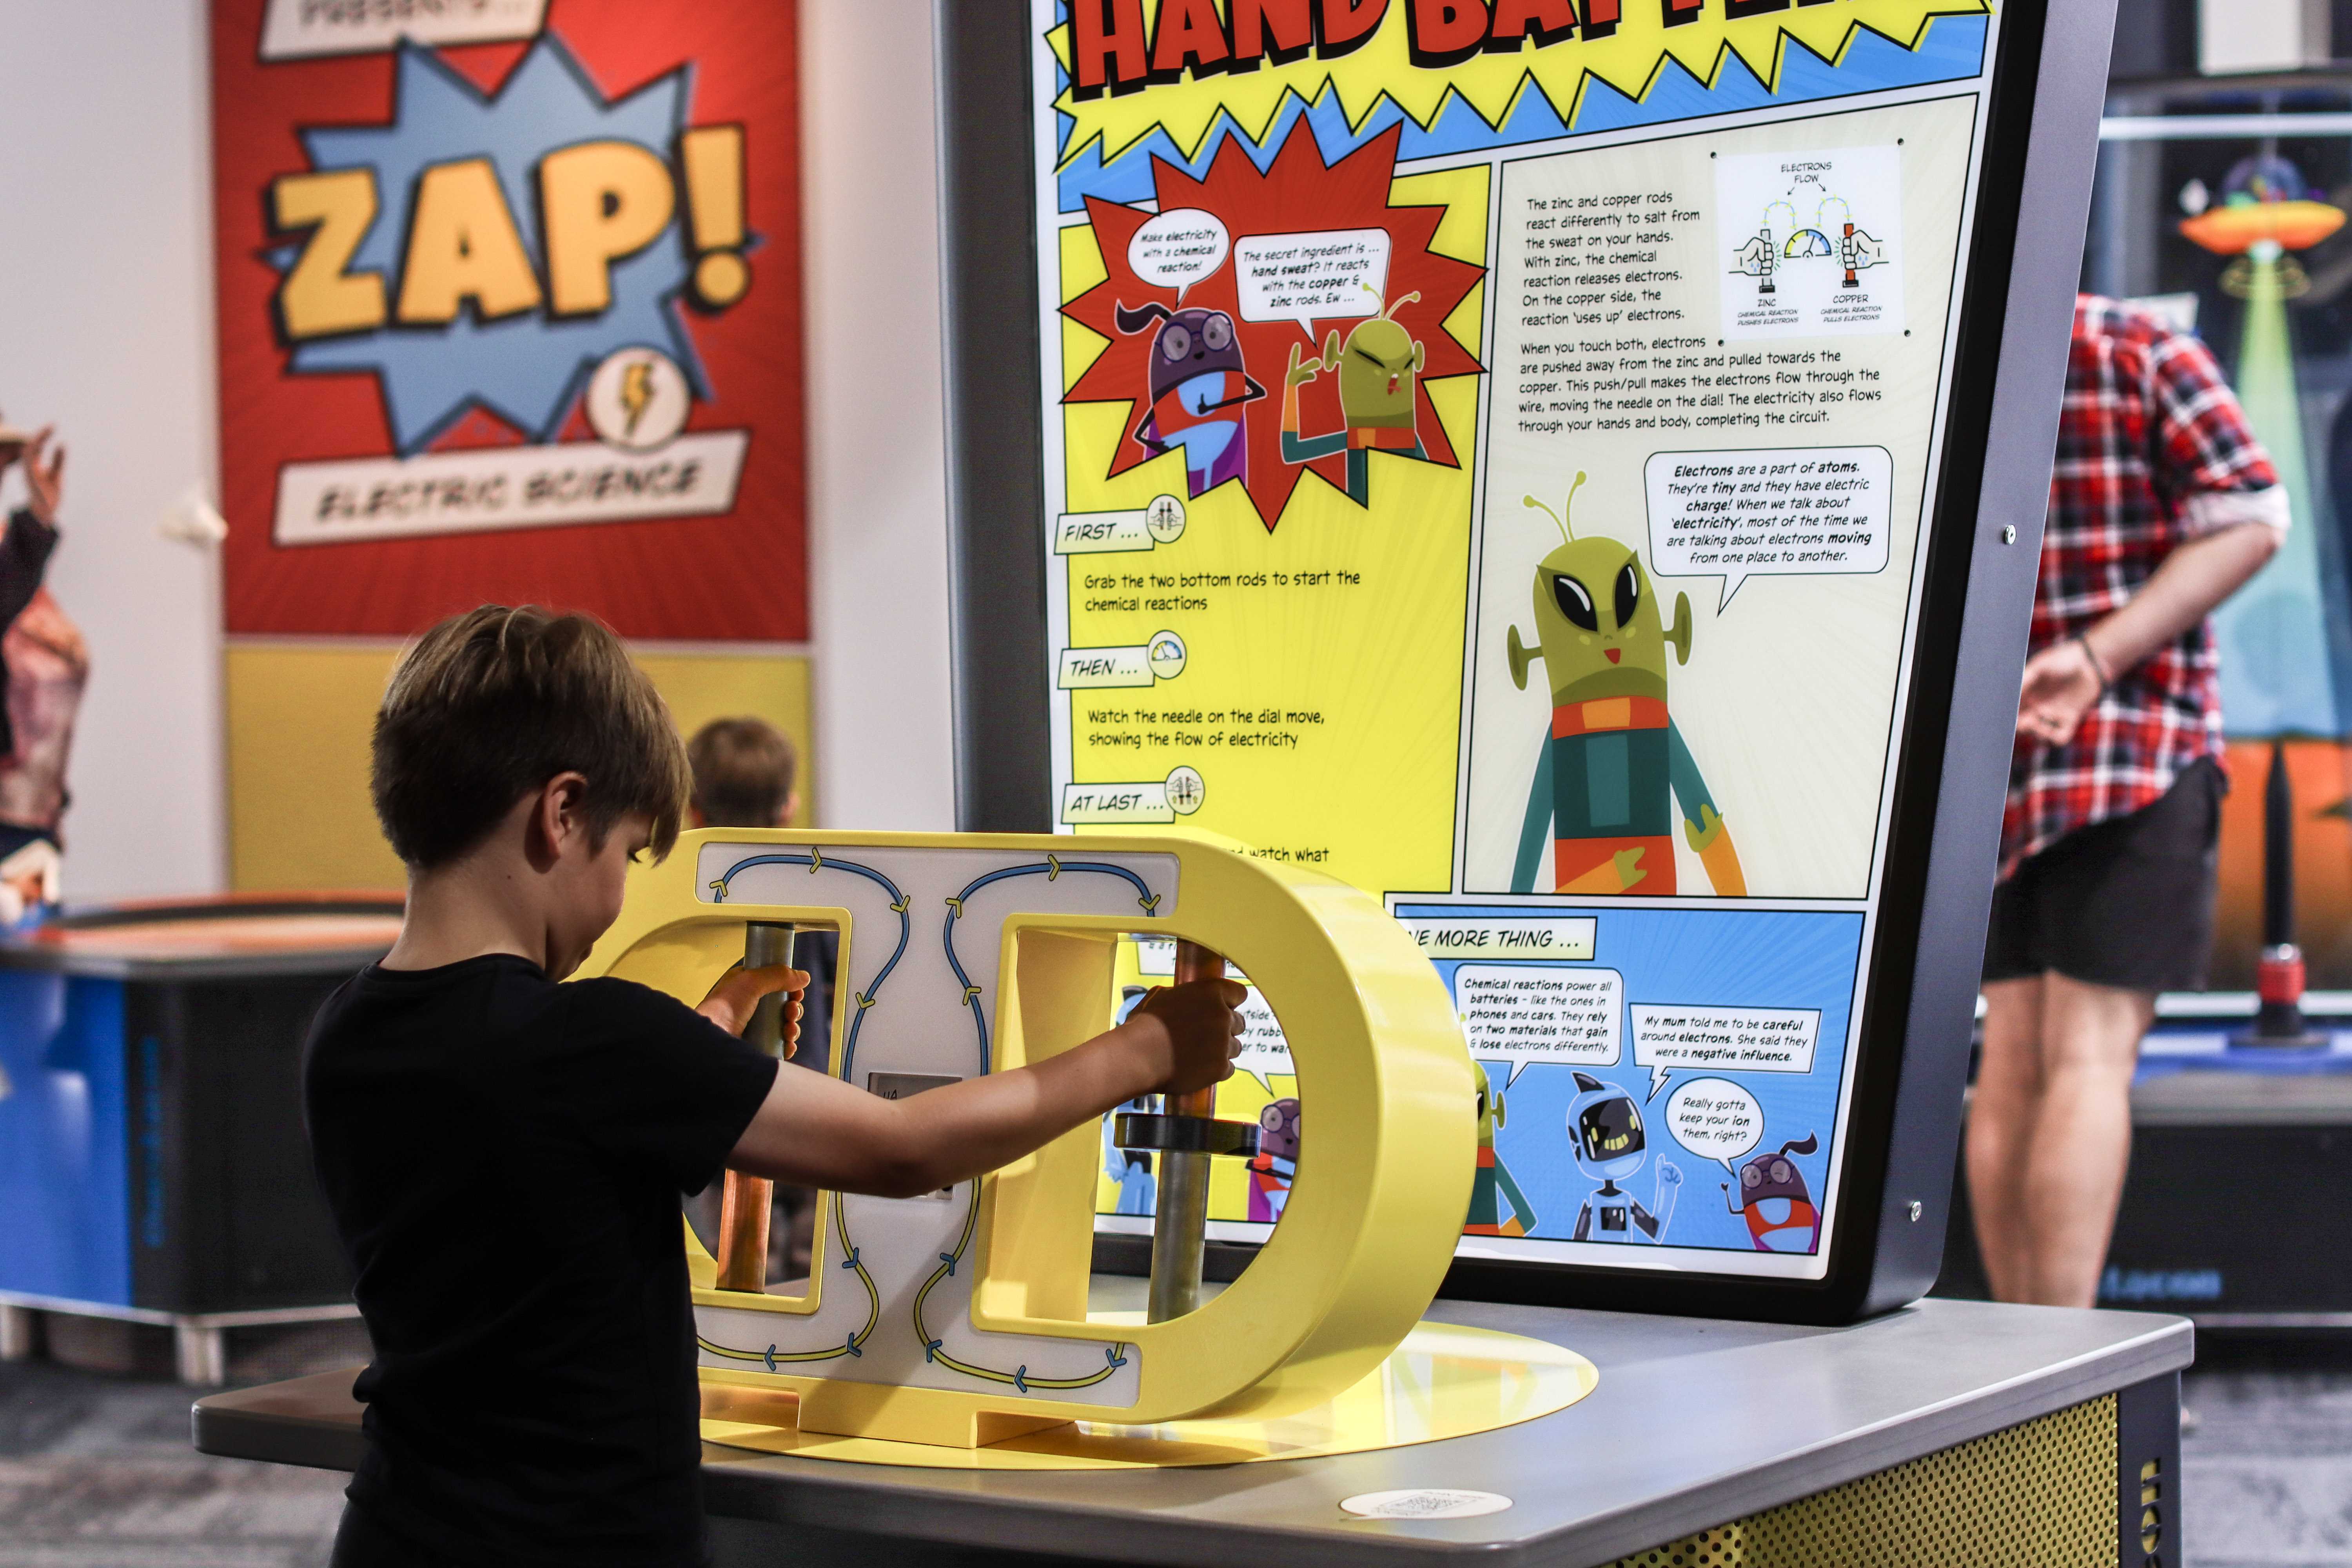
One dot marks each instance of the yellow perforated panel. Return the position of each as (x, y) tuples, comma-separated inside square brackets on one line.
[(2043, 1493)]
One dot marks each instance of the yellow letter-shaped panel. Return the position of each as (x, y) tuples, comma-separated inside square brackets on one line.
[(959, 1318)]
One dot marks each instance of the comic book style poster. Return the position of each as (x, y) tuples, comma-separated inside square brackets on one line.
[(510, 310), (1487, 446)]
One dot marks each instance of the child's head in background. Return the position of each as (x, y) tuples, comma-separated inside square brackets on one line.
[(743, 775)]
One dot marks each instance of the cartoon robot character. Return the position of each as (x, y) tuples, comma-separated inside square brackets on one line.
[(1276, 1166), (1604, 1126), (1198, 390), (1603, 778), (1494, 1178), (1775, 1202), (1379, 370), (1130, 1169)]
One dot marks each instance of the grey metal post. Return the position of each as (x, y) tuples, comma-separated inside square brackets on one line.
[(1179, 1217)]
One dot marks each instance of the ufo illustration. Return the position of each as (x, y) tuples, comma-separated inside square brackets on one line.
[(2263, 199)]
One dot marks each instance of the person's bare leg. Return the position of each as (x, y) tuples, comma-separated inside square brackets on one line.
[(2081, 1144), (2002, 1117)]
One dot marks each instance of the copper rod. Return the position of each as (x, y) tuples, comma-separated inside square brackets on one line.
[(743, 1209), (746, 1201)]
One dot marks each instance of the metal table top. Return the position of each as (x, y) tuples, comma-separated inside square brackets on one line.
[(1695, 1423)]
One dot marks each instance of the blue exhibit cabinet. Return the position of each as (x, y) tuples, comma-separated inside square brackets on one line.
[(152, 1152)]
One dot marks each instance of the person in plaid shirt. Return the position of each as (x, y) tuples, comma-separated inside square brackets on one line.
[(2161, 503)]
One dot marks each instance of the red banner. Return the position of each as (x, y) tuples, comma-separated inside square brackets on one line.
[(510, 300)]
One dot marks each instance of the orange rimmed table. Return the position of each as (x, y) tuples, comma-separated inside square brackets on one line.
[(151, 1162)]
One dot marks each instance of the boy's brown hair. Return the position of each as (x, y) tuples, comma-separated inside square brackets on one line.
[(744, 771), (490, 705)]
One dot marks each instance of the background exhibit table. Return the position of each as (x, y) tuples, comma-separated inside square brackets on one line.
[(1950, 1432), (152, 1168)]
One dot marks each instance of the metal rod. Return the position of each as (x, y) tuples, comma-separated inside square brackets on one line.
[(1180, 1220), (745, 1201), (767, 944), (2278, 852)]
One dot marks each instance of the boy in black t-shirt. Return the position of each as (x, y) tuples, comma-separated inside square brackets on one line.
[(532, 1398)]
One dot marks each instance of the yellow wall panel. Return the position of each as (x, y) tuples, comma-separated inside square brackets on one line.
[(298, 720)]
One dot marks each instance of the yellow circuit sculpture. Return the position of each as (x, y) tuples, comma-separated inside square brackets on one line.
[(960, 1319)]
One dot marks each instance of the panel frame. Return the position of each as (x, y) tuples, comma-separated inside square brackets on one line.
[(1983, 544)]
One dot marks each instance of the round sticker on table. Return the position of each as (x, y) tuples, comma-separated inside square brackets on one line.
[(1424, 1502)]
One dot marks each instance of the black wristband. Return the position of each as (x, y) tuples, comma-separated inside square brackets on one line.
[(2097, 668)]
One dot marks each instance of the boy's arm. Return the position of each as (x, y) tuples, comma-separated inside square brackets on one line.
[(814, 1131)]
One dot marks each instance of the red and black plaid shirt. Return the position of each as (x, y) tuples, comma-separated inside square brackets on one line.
[(2148, 427)]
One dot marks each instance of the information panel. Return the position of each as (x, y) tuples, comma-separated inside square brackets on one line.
[(1488, 450)]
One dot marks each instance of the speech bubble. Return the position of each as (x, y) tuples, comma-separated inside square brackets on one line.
[(1527, 1013), (1799, 511), (1715, 1119), (1751, 1039), (1178, 249), (1300, 277), (1265, 1050)]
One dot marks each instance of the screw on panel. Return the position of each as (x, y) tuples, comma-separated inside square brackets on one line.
[(1915, 1212), (2009, 533)]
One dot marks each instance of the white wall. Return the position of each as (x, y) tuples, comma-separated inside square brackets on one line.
[(105, 329), (878, 470), (2256, 34)]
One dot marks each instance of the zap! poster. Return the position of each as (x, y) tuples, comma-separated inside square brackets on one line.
[(510, 310), (1488, 448)]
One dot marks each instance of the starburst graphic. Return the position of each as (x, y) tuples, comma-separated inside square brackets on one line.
[(525, 368), (1296, 192)]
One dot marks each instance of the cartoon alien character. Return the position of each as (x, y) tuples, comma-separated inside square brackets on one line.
[(1775, 1202), (1494, 1178), (1604, 1128), (1603, 777), (1276, 1166), (1380, 372), (1199, 388)]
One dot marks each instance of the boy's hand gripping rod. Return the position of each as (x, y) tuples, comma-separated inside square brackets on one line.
[(1186, 1137), (744, 1202)]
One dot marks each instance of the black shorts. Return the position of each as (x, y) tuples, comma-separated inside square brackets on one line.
[(2125, 902)]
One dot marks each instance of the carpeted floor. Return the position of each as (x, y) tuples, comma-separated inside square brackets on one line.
[(96, 1470), (2266, 1455)]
